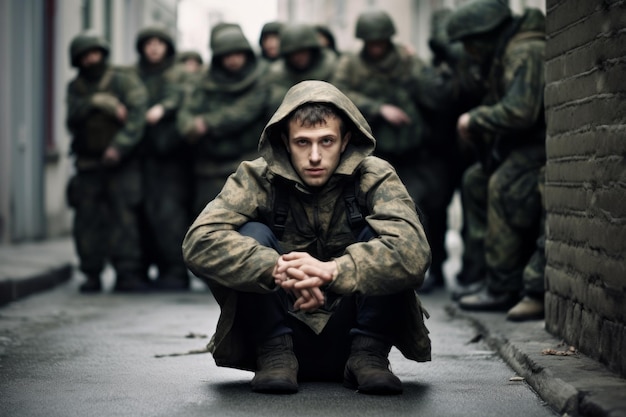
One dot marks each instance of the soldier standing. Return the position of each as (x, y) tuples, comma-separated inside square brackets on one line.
[(224, 115), (191, 60), (501, 192), (105, 115), (269, 41), (164, 160), (382, 80), (302, 58)]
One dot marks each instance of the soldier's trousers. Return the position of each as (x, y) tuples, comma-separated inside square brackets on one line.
[(165, 211), (267, 316), (106, 225), (504, 220)]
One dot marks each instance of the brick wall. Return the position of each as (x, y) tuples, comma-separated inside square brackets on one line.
[(586, 177)]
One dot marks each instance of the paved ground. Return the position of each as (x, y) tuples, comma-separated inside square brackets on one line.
[(66, 354), (573, 384)]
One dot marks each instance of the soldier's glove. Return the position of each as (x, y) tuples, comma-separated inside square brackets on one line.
[(105, 102)]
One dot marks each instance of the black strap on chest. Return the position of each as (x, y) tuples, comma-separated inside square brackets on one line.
[(355, 213)]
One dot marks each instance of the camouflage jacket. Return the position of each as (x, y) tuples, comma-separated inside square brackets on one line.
[(165, 86), (394, 262), (394, 80), (512, 111), (233, 110), (91, 113), (281, 78)]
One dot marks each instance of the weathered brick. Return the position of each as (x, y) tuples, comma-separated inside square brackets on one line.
[(589, 263), (605, 109), (596, 140), (612, 344), (593, 170), (563, 14), (603, 78), (570, 37), (565, 199), (590, 327), (600, 55)]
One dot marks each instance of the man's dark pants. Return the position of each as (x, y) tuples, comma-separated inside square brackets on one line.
[(320, 356)]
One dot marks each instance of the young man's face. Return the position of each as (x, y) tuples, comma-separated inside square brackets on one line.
[(154, 49), (90, 58), (271, 44), (300, 59), (315, 151), (376, 50), (234, 62), (191, 65)]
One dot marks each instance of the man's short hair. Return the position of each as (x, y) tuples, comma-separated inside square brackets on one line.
[(315, 114)]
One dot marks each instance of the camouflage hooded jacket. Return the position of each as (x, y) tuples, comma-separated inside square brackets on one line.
[(393, 80), (92, 113), (165, 86), (232, 107), (394, 262), (513, 106)]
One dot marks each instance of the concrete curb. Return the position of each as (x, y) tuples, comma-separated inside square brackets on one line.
[(582, 388), (12, 289)]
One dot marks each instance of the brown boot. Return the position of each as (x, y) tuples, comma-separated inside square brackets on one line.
[(277, 367), (528, 309), (367, 369)]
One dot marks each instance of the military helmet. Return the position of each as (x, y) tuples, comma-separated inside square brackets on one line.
[(84, 42), (228, 39), (187, 55), (477, 17), (374, 26), (271, 28), (297, 37), (159, 32)]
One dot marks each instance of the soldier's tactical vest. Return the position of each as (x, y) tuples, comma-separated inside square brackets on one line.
[(99, 127)]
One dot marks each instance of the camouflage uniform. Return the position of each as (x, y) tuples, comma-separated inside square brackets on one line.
[(233, 108), (392, 263), (105, 197), (282, 76), (502, 199), (449, 86), (165, 166), (392, 80)]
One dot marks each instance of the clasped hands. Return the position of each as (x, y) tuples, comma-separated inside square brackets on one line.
[(303, 276)]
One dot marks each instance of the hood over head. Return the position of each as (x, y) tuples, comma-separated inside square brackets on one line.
[(160, 32), (272, 148)]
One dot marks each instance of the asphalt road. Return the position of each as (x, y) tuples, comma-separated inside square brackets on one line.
[(66, 354)]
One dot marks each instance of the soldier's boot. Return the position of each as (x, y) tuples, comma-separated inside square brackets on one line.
[(530, 308), (367, 369), (277, 367), (172, 279), (91, 285), (129, 282)]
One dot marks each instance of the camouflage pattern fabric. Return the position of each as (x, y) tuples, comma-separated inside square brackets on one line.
[(106, 198), (105, 223), (395, 262), (512, 112), (503, 202), (504, 210), (281, 77), (166, 172), (233, 107), (86, 101), (534, 272)]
